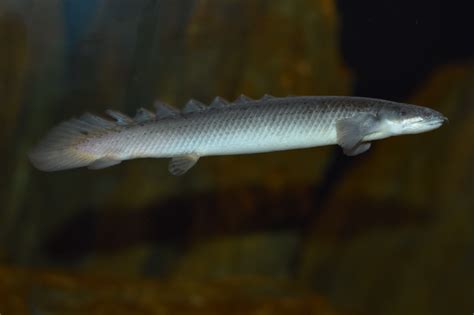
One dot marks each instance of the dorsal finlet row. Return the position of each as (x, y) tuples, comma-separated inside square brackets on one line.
[(163, 110)]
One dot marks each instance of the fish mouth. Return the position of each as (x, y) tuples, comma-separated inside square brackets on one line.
[(434, 124), (426, 125), (438, 121)]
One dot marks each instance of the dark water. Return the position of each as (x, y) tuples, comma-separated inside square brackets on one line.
[(387, 232)]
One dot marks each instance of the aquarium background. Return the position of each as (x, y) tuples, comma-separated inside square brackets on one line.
[(297, 232)]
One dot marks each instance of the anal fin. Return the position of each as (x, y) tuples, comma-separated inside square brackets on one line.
[(103, 163), (181, 164)]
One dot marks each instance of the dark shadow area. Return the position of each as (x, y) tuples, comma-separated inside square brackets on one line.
[(392, 46), (179, 222)]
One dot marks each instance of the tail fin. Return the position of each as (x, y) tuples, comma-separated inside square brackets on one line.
[(59, 151)]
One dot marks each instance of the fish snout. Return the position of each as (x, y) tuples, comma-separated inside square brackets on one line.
[(434, 116)]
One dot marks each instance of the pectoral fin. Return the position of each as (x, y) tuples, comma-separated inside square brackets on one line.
[(351, 132), (181, 164), (358, 149)]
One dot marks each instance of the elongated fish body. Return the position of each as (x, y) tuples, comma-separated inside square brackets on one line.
[(242, 127)]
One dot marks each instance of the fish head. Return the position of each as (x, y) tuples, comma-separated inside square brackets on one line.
[(411, 119)]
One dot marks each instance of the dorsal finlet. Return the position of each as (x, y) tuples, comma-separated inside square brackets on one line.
[(267, 97), (243, 99), (119, 117), (143, 115), (164, 110), (193, 106), (219, 102)]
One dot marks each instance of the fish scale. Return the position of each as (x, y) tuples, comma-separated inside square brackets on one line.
[(242, 127)]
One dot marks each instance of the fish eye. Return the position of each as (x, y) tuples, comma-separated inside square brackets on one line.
[(403, 112)]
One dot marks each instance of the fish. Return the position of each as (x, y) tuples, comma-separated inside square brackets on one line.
[(243, 126)]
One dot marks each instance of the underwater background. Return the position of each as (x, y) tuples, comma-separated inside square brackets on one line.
[(297, 232)]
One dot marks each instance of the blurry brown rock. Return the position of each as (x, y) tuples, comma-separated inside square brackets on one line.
[(41, 292)]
